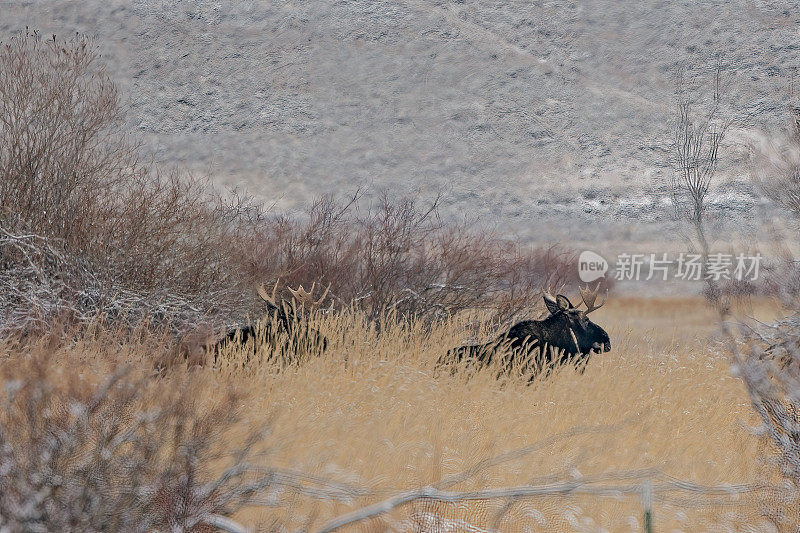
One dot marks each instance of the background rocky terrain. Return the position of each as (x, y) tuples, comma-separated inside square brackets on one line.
[(548, 120)]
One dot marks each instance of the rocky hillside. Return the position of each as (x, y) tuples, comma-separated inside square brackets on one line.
[(519, 111)]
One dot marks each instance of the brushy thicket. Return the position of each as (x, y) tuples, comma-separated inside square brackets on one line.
[(88, 230), (85, 228), (399, 257), (126, 454)]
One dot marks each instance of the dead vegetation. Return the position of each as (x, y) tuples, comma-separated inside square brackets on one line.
[(370, 421), (765, 355), (92, 230), (114, 450)]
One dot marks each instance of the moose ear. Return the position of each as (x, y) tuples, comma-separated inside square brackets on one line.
[(563, 302)]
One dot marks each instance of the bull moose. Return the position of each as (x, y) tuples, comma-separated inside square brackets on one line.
[(566, 334), (288, 318)]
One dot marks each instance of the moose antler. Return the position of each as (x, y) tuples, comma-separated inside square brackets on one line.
[(269, 298), (560, 301), (590, 296), (306, 298), (547, 296)]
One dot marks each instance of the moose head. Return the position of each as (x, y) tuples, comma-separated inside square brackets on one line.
[(302, 300), (284, 316), (569, 328)]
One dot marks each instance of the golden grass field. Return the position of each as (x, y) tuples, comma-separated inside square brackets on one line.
[(373, 412), (384, 421)]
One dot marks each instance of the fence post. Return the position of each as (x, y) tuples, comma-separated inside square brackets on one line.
[(647, 502)]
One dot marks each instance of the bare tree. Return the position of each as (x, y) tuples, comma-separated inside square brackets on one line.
[(696, 150), (765, 356)]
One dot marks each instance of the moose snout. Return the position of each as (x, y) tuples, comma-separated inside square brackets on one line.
[(604, 347)]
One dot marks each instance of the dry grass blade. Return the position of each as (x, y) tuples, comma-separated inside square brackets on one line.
[(484, 464)]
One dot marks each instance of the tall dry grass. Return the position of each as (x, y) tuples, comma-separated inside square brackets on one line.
[(372, 413), (378, 415)]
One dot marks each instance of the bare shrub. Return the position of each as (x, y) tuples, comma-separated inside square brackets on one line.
[(125, 454), (769, 358), (73, 186), (60, 155), (695, 156), (399, 257), (42, 281), (89, 230)]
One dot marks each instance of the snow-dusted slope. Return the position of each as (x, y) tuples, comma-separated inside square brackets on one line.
[(519, 111)]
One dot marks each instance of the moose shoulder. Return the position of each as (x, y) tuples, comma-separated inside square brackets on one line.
[(567, 331)]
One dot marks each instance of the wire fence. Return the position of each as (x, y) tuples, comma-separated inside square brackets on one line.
[(647, 500), (434, 510)]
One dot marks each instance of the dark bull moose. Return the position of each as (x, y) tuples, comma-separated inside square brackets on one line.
[(566, 334), (288, 319)]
